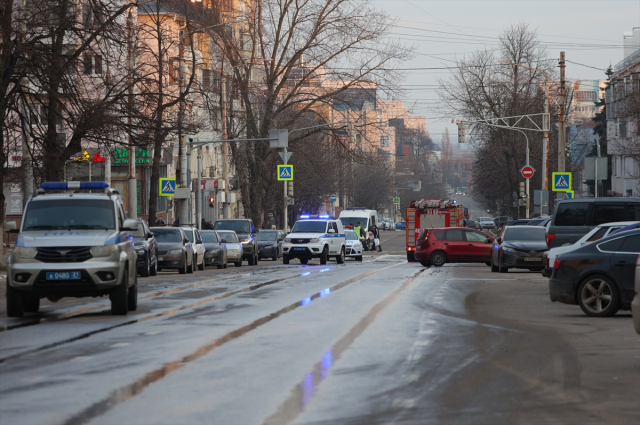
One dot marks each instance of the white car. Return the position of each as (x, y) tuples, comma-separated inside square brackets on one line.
[(487, 223), (198, 247), (354, 246), (234, 247), (319, 238), (594, 234)]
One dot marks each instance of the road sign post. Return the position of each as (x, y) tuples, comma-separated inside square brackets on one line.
[(167, 186), (561, 182), (285, 172)]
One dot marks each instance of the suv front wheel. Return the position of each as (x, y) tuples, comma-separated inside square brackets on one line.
[(119, 296)]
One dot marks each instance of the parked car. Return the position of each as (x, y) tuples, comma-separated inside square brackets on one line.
[(518, 222), (599, 276), (198, 247), (471, 224), (215, 249), (595, 234), (146, 250), (270, 244), (452, 245), (175, 251), (573, 218), (519, 247), (247, 235), (541, 221), (635, 304), (354, 246), (487, 223), (401, 225), (234, 247)]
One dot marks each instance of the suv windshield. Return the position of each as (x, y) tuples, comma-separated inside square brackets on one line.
[(140, 232), (266, 235), (353, 221), (70, 214), (239, 226), (229, 237), (209, 237), (166, 235), (525, 234), (309, 227)]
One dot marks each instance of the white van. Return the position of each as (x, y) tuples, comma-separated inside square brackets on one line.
[(367, 218)]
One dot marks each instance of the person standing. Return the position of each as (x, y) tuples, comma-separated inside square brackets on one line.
[(376, 237), (160, 221)]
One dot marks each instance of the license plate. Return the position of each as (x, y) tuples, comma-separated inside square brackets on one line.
[(299, 249), (63, 275), (160, 258), (532, 259)]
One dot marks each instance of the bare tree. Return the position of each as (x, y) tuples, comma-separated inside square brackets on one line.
[(487, 85), (289, 59)]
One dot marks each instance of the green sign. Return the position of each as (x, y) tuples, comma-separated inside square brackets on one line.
[(396, 200), (121, 156)]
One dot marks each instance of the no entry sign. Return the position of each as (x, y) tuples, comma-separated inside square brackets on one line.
[(527, 171)]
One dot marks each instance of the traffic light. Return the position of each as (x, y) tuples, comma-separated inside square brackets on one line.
[(461, 132), (211, 200)]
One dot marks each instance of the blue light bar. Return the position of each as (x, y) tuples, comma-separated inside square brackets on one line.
[(74, 185), (323, 216), (305, 216)]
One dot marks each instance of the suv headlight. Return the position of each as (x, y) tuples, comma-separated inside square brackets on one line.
[(23, 252), (103, 251), (175, 251), (287, 240), (314, 240)]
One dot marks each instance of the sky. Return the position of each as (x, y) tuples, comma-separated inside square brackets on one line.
[(588, 31)]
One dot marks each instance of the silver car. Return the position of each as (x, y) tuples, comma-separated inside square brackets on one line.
[(354, 246), (234, 247), (487, 223), (72, 245), (198, 247)]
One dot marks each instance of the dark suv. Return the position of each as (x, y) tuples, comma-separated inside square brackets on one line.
[(573, 218), (247, 235)]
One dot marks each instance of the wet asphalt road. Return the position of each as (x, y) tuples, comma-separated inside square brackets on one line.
[(379, 342)]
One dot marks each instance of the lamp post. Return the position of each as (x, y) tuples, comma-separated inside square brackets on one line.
[(545, 143)]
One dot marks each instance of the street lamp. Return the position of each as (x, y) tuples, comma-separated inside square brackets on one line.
[(545, 144)]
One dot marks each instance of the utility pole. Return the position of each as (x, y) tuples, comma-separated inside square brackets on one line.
[(199, 191), (225, 149), (133, 182), (286, 193), (562, 122), (182, 177), (545, 142)]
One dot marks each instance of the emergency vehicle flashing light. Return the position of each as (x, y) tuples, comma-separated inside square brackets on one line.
[(74, 185)]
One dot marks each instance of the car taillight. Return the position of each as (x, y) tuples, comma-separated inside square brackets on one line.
[(549, 239), (556, 264), (426, 235)]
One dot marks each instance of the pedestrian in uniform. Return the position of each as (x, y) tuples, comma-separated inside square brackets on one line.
[(376, 237)]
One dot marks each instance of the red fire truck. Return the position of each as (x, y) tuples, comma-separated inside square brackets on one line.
[(431, 214)]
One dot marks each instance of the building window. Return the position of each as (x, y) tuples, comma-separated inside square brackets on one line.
[(384, 141), (92, 64), (464, 174), (456, 166)]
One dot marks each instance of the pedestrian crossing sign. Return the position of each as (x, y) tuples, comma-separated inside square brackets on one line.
[(396, 200), (167, 186), (570, 194), (561, 182), (285, 172)]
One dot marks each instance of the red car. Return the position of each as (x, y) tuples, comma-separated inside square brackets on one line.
[(453, 245)]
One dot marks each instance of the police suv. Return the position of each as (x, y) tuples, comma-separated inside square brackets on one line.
[(72, 244), (315, 238)]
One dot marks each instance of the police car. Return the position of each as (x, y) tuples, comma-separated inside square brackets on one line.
[(72, 244), (354, 246), (315, 238)]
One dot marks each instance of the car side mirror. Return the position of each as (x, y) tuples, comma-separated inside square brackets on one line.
[(11, 227), (223, 241), (130, 225), (499, 240), (150, 235), (199, 242), (256, 231), (185, 240)]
